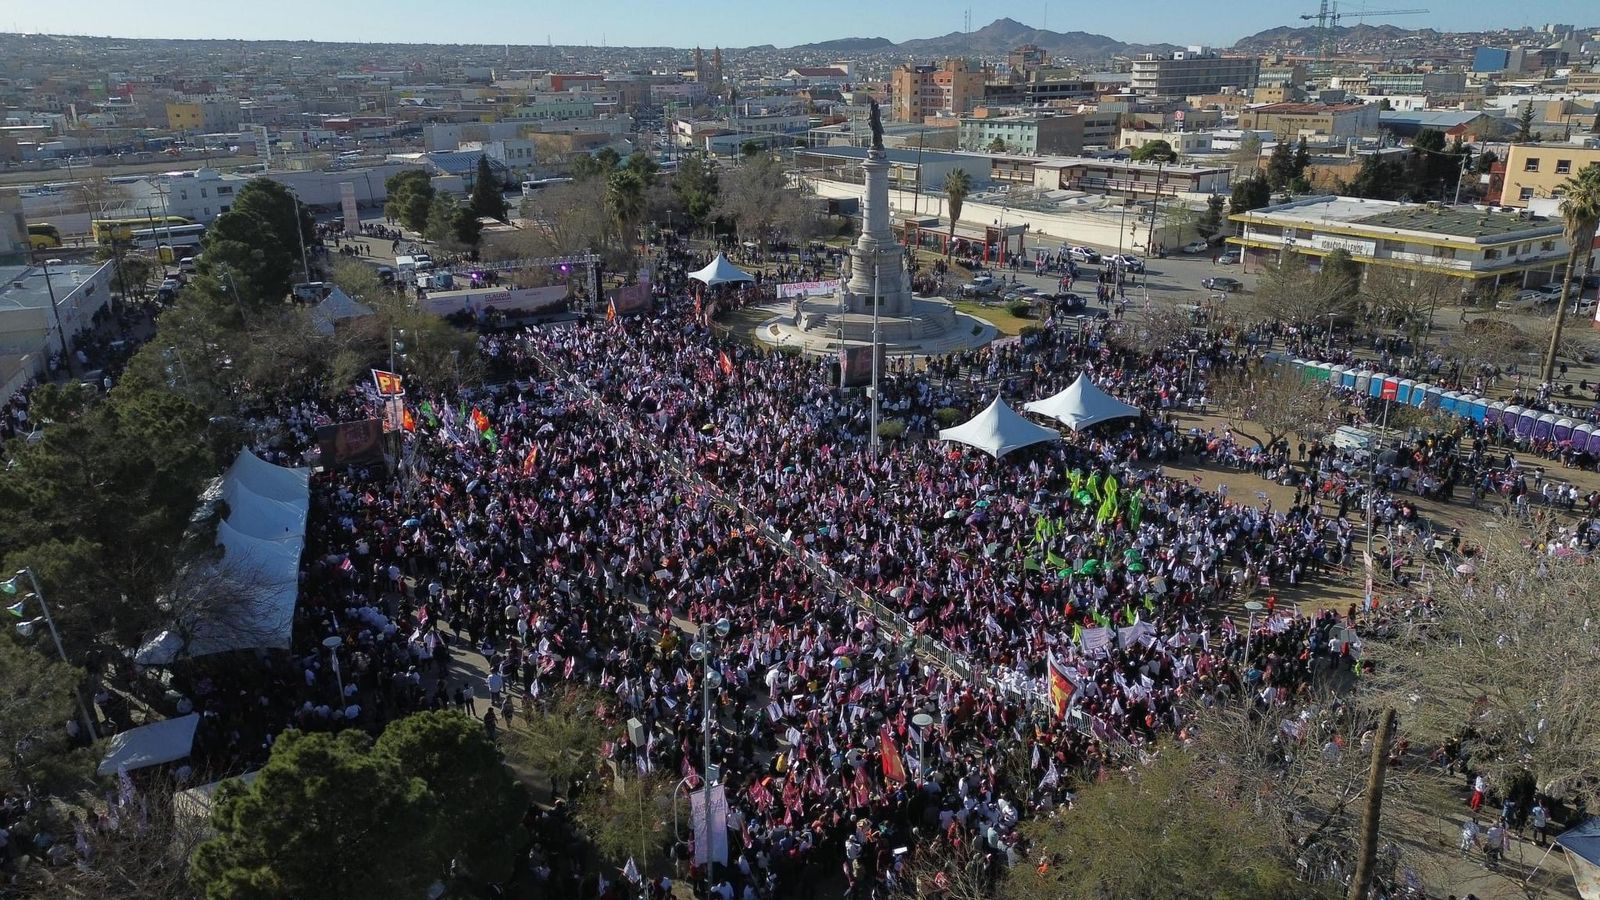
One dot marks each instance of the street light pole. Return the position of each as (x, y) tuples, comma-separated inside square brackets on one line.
[(44, 607), (872, 439), (702, 650), (61, 333)]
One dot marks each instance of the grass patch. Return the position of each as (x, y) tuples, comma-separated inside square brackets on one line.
[(997, 316)]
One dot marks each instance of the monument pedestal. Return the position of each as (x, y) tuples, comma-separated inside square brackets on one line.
[(906, 324)]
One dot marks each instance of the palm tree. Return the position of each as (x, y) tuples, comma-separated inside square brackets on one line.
[(957, 185), (1580, 214), (625, 203)]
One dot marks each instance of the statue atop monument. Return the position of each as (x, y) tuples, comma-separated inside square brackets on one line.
[(875, 122)]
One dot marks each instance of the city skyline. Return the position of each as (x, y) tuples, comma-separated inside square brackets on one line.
[(621, 23)]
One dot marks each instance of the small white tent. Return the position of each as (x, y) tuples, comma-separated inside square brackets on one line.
[(1082, 405), (150, 745), (720, 271), (336, 307), (998, 430)]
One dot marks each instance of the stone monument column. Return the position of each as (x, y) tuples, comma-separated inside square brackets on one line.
[(875, 250)]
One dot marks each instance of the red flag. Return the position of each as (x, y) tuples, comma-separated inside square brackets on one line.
[(611, 311), (408, 421), (389, 384), (724, 362), (529, 460), (698, 312), (1061, 688), (894, 768), (479, 420)]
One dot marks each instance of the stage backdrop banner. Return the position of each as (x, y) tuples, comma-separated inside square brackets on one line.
[(855, 366), (348, 443)]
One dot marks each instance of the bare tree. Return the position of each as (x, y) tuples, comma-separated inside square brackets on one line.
[(1407, 301), (134, 844), (1501, 648), (98, 194), (1278, 401), (1159, 329), (1289, 291)]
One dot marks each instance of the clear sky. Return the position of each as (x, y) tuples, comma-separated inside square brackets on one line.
[(730, 23)]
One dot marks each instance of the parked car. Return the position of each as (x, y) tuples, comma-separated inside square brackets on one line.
[(1069, 302), (1230, 257), (1530, 299), (1084, 255), (1196, 247), (980, 286), (1221, 283), (1131, 263)]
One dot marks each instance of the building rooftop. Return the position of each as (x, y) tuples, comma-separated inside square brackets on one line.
[(1469, 223), (1429, 118), (1304, 109), (23, 287)]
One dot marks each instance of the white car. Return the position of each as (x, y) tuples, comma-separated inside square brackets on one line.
[(1530, 299), (1131, 263), (1196, 247), (1084, 255)]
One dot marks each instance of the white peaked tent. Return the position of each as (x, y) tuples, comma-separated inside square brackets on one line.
[(150, 745), (1082, 405), (336, 307), (261, 539), (998, 430), (720, 271)]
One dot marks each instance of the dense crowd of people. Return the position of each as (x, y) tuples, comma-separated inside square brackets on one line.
[(635, 478)]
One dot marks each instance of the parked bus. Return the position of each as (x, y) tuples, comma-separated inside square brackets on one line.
[(43, 236), (539, 184), (168, 240), (106, 231)]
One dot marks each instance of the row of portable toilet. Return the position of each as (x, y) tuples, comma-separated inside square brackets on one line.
[(1524, 423)]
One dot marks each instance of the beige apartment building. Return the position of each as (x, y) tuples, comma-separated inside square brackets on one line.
[(952, 88), (1540, 170)]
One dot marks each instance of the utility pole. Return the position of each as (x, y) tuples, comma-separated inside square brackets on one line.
[(872, 439), (1374, 808)]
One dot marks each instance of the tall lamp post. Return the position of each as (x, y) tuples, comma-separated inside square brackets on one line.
[(1254, 606), (12, 588), (61, 333), (703, 651)]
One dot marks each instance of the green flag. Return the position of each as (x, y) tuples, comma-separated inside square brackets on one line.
[(1054, 561), (427, 414), (489, 436), (1031, 564), (1077, 632), (1135, 508)]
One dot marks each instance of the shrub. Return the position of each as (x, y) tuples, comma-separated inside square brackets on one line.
[(948, 416), (893, 429), (1019, 308)]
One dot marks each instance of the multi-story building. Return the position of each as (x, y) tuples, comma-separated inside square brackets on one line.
[(209, 115), (1193, 71), (1029, 135), (1339, 121), (951, 88), (1129, 179), (1415, 83), (1486, 249), (1534, 171)]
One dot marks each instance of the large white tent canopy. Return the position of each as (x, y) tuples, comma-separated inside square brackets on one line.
[(720, 271), (246, 599), (150, 745), (336, 307), (1082, 405), (998, 430)]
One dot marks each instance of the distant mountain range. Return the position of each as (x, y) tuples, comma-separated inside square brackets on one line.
[(1309, 36), (994, 39)]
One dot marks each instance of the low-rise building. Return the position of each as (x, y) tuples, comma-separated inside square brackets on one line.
[(1340, 121), (29, 327), (1126, 178), (1181, 141), (1030, 135), (1485, 248)]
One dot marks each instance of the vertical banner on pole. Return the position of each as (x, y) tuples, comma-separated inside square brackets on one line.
[(718, 842)]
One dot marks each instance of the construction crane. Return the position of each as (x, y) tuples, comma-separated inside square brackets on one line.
[(1328, 15)]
